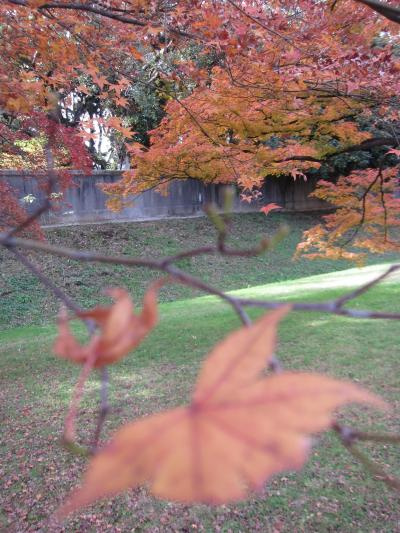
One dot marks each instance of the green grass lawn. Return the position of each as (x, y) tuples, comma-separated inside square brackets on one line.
[(28, 303), (332, 493)]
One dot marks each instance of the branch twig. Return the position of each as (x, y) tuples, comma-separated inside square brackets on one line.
[(364, 288), (349, 436), (165, 265)]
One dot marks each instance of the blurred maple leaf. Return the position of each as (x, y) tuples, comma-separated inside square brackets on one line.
[(269, 207), (120, 329), (238, 430)]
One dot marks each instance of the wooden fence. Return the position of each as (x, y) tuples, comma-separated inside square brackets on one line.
[(84, 202)]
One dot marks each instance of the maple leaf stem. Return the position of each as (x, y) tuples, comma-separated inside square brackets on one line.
[(68, 439), (69, 426), (104, 408)]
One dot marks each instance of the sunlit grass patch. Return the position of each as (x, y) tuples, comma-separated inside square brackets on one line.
[(27, 302)]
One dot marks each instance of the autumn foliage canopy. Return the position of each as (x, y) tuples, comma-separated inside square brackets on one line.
[(250, 91)]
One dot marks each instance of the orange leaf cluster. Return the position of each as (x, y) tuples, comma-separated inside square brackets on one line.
[(368, 216), (272, 89)]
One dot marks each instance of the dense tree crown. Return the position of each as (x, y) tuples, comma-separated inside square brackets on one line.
[(247, 90)]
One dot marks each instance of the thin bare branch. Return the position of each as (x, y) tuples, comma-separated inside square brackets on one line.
[(390, 12), (365, 146), (327, 307), (64, 298), (103, 12), (262, 25), (351, 435), (332, 307), (366, 287)]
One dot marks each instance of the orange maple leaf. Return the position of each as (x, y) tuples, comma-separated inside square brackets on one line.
[(394, 151), (238, 430), (269, 207), (136, 54), (120, 329), (115, 122)]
